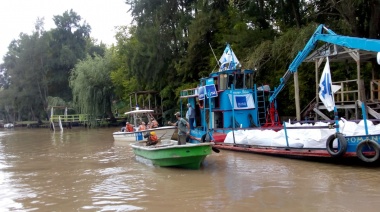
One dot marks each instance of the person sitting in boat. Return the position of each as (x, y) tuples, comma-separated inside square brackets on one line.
[(149, 125), (183, 128), (142, 126), (128, 127), (153, 123), (152, 138)]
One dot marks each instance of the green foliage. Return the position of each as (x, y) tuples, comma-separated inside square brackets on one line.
[(92, 87), (56, 101), (123, 80), (25, 68), (168, 49), (266, 36), (69, 45), (37, 66), (273, 57), (259, 57)]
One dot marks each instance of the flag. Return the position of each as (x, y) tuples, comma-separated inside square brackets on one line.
[(325, 88), (228, 60)]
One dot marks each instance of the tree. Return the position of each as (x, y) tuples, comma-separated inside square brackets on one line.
[(158, 44), (68, 46), (37, 66), (92, 87), (24, 75), (122, 77)]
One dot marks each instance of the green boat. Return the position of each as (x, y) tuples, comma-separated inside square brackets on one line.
[(167, 153)]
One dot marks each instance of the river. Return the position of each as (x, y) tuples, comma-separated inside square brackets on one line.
[(83, 169)]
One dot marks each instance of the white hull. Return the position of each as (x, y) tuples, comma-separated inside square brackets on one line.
[(161, 132)]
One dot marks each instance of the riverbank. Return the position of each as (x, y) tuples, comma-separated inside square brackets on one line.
[(46, 124)]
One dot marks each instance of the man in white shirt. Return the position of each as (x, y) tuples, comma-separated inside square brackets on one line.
[(190, 115)]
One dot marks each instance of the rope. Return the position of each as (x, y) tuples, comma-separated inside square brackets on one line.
[(251, 122)]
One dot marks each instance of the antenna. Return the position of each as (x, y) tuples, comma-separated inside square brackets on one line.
[(217, 61)]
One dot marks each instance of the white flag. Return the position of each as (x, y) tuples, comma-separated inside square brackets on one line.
[(325, 88), (228, 60)]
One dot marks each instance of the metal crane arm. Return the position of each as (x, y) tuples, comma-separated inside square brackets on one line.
[(330, 37)]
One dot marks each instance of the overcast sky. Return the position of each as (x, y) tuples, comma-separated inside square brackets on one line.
[(18, 16)]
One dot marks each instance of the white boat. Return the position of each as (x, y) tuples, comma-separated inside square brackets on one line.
[(142, 115), (8, 125)]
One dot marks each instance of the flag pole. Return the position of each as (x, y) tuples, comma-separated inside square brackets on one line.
[(217, 61), (336, 118)]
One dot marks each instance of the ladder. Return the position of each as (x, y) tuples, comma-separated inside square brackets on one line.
[(261, 107)]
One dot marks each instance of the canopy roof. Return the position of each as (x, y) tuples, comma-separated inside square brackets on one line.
[(138, 111), (339, 54)]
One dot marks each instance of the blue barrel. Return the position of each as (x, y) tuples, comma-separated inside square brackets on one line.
[(139, 136)]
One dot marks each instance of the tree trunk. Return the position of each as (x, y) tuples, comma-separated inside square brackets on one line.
[(374, 22), (295, 4), (374, 27)]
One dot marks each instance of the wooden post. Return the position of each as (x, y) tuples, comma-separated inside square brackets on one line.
[(372, 89), (376, 84), (136, 98), (318, 63), (316, 82), (297, 96), (356, 57), (130, 102), (149, 105)]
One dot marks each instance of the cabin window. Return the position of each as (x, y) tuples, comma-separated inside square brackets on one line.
[(239, 81), (230, 80), (218, 119), (248, 81), (203, 82), (216, 83), (223, 82)]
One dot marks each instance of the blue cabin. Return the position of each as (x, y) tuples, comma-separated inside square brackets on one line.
[(233, 101)]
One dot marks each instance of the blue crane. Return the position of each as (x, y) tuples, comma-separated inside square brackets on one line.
[(322, 33)]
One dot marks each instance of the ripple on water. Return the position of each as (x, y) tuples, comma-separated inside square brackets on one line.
[(84, 169), (116, 190)]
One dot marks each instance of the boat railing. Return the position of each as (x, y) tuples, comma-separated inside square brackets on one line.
[(310, 124), (192, 92), (375, 90), (348, 92)]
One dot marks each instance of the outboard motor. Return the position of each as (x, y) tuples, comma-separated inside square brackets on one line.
[(147, 135)]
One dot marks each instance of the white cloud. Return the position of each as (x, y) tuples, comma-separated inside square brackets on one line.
[(18, 16)]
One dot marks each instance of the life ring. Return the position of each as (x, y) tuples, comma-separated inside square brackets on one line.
[(342, 143), (372, 145)]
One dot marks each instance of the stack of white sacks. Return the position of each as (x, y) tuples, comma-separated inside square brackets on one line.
[(306, 138)]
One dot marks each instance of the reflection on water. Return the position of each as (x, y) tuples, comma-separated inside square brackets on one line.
[(85, 170)]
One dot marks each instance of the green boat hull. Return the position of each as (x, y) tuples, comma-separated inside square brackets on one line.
[(189, 156)]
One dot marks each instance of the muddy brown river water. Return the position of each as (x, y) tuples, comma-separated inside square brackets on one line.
[(85, 170)]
